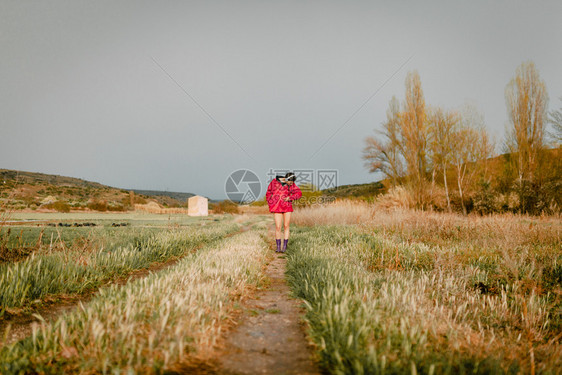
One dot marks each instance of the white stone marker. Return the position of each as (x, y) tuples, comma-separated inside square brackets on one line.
[(198, 206)]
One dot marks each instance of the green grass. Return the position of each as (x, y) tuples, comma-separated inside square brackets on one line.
[(376, 305), (18, 241), (27, 237), (119, 252), (137, 218), (151, 324)]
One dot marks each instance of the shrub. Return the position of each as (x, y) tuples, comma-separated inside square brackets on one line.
[(484, 200), (59, 206), (224, 207), (98, 206), (397, 197), (259, 203), (126, 202), (116, 207), (140, 200)]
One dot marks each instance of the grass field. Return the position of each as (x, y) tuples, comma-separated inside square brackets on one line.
[(24, 233), (139, 218), (68, 260), (386, 292), (150, 324), (419, 292)]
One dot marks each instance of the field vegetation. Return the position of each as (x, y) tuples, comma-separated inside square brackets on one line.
[(155, 324), (411, 291), (386, 289), (81, 259)]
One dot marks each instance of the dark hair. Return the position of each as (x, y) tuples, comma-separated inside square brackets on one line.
[(290, 176)]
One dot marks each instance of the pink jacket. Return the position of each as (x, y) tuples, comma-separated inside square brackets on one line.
[(276, 192)]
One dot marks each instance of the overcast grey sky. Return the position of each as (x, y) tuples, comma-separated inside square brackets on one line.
[(100, 89)]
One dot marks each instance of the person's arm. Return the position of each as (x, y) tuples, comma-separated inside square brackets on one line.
[(269, 192), (296, 193)]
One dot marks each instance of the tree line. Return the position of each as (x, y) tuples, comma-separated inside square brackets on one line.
[(446, 159)]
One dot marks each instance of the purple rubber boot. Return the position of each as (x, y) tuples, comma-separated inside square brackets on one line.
[(278, 242), (284, 245)]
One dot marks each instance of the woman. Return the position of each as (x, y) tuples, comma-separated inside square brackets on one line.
[(280, 194)]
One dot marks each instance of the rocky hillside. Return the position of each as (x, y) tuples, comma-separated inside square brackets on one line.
[(28, 190)]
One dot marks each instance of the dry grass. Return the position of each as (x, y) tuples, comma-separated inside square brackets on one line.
[(499, 231), (155, 208), (85, 265), (150, 324), (339, 212), (485, 288), (396, 197), (256, 210)]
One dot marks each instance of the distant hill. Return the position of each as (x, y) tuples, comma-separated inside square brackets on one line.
[(31, 190), (360, 191), (33, 178), (182, 197)]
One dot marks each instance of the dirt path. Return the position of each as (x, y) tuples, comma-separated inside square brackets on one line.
[(270, 337)]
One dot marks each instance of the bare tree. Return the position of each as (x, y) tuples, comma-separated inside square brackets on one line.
[(470, 148), (526, 99), (556, 121), (385, 156), (442, 128), (413, 126)]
